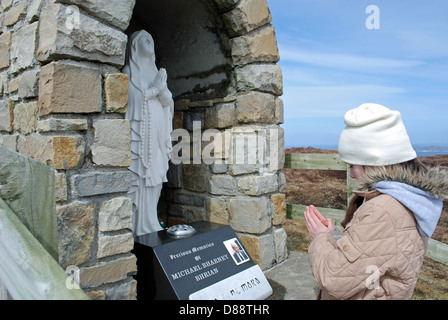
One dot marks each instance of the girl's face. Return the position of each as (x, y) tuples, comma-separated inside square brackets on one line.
[(356, 171)]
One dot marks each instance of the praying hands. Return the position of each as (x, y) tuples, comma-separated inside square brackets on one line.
[(316, 223)]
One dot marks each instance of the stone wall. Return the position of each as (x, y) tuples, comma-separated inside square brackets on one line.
[(64, 100), (63, 104)]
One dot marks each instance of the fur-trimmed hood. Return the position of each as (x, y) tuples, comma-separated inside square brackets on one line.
[(421, 192), (434, 181)]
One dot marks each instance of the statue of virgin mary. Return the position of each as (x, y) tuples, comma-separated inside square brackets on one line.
[(150, 113)]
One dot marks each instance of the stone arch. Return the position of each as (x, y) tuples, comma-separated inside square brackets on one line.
[(221, 62)]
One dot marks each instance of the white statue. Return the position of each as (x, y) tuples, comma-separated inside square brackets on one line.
[(150, 112)]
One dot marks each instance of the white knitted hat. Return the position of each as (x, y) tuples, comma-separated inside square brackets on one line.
[(374, 136)]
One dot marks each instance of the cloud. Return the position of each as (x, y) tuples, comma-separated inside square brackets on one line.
[(333, 101), (346, 61)]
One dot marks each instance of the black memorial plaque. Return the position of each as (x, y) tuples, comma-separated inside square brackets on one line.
[(210, 264)]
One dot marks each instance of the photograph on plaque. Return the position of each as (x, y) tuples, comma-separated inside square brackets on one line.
[(236, 251)]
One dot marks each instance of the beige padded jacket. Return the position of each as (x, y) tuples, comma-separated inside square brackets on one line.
[(381, 251), (379, 255)]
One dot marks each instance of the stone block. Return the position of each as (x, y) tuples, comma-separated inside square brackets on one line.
[(282, 182), (109, 245), (217, 210), (64, 32), (76, 230), (243, 168), (222, 184), (23, 46), (5, 44), (115, 214), (33, 10), (181, 105), (54, 124), (247, 16), (279, 113), (261, 249), (5, 4), (59, 152), (178, 120), (3, 82), (15, 12), (219, 167), (60, 187), (122, 291), (112, 143), (28, 84), (259, 46), (13, 85), (185, 214), (115, 12), (194, 214), (68, 152), (257, 185), (94, 183), (275, 147), (25, 117), (39, 148), (250, 215), (279, 202), (261, 77), (255, 107), (6, 115), (220, 116), (107, 272), (195, 177), (116, 91), (68, 88), (176, 212), (191, 119), (280, 238), (9, 141)]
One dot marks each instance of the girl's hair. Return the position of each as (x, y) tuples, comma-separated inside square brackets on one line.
[(414, 165)]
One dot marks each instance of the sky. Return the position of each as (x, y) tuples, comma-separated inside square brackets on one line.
[(334, 57)]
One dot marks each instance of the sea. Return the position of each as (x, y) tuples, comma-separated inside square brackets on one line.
[(422, 151)]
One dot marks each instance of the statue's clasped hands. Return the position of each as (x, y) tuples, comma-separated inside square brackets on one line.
[(160, 80)]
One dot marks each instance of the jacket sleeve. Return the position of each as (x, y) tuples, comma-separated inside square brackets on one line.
[(343, 267)]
